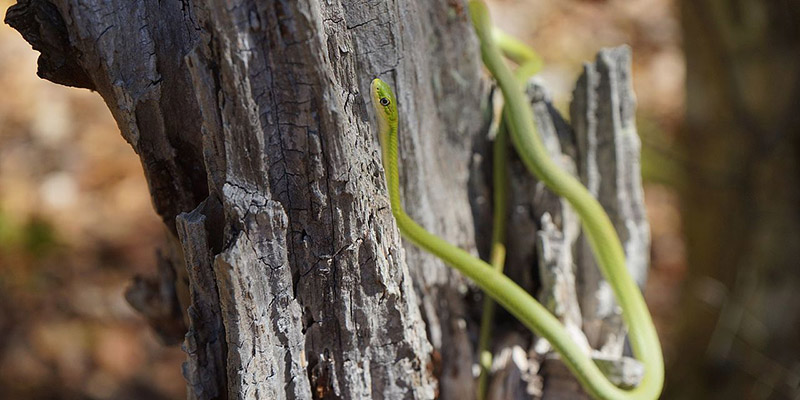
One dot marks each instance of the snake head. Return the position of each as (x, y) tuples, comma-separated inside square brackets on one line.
[(384, 102)]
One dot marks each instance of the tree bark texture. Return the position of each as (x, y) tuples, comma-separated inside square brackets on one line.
[(252, 122), (739, 335)]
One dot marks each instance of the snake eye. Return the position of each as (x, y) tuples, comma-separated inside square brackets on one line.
[(384, 101)]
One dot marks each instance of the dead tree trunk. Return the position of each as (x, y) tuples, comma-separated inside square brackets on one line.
[(252, 123)]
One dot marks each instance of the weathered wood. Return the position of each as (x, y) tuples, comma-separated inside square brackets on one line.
[(156, 298), (205, 343), (603, 116), (349, 313), (261, 105)]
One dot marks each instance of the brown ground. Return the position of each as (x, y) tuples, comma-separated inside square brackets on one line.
[(75, 224)]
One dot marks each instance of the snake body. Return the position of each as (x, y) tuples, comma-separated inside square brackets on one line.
[(597, 226), (529, 63)]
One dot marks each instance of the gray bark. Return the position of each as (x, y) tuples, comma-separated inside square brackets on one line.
[(252, 122)]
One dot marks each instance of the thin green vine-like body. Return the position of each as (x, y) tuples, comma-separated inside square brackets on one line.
[(597, 225), (529, 63), (497, 254)]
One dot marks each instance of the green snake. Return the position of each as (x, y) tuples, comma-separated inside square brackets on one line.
[(529, 64), (597, 226)]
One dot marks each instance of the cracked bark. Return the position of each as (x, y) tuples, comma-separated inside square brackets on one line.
[(254, 132)]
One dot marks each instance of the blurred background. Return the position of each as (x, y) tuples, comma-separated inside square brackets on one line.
[(76, 223), (720, 146)]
